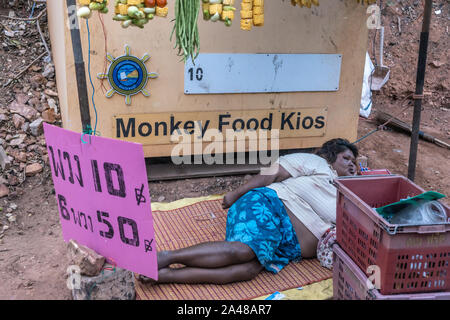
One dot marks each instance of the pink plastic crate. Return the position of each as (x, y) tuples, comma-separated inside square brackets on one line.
[(372, 172), (350, 283), (411, 259)]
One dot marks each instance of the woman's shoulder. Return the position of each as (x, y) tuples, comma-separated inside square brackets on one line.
[(303, 157)]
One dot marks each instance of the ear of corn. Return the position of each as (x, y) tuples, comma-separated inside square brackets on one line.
[(252, 14), (219, 10)]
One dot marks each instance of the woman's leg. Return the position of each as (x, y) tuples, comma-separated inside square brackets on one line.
[(233, 273), (208, 255)]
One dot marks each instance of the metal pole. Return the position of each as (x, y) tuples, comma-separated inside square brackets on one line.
[(421, 65)]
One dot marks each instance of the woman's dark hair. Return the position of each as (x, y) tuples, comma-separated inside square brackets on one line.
[(332, 148)]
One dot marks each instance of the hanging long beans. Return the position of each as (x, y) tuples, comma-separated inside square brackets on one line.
[(186, 28)]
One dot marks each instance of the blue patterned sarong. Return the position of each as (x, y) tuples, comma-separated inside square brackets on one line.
[(260, 220)]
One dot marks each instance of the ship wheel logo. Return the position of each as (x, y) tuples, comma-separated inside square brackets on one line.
[(127, 75)]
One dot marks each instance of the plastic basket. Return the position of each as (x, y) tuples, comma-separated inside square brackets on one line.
[(372, 172), (350, 283), (410, 259)]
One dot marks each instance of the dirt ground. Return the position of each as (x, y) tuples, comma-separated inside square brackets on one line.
[(33, 258)]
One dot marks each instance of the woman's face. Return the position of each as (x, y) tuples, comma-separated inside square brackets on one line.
[(345, 164)]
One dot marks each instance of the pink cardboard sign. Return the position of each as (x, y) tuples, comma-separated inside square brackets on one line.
[(103, 197)]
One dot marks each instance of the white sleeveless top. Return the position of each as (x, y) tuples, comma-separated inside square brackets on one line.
[(309, 193)]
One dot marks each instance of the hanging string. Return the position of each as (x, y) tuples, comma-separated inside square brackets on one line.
[(106, 50), (89, 129), (32, 10)]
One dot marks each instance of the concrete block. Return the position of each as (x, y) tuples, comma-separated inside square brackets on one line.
[(89, 261), (112, 283)]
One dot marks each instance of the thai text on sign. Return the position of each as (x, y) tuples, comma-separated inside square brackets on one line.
[(103, 198)]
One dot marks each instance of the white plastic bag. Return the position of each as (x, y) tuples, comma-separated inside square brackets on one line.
[(366, 96)]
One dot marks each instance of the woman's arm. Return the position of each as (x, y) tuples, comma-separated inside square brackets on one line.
[(261, 180)]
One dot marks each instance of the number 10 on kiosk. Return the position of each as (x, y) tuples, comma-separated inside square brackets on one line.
[(103, 198)]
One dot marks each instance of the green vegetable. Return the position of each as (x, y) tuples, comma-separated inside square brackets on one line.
[(119, 17), (126, 24), (84, 12), (140, 22), (96, 6), (133, 11), (149, 10), (186, 28), (215, 17)]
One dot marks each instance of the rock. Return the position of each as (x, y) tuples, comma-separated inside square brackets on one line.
[(52, 104), (25, 111), (4, 191), (4, 159), (18, 120), (436, 64), (25, 127), (22, 157), (33, 169), (112, 284), (13, 180), (36, 127), (3, 117), (50, 93), (10, 34), (38, 80), (22, 98), (89, 261), (34, 102), (49, 71), (17, 140), (49, 116)]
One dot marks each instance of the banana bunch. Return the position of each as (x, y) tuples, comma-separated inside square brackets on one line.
[(216, 10), (252, 14), (139, 12), (87, 6)]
